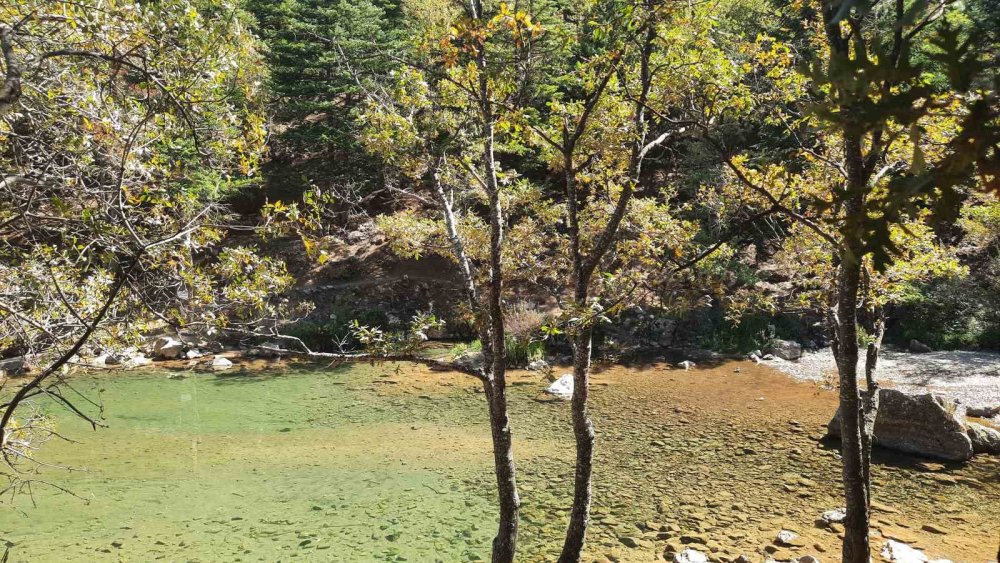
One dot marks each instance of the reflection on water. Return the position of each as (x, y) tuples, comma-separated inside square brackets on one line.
[(390, 463)]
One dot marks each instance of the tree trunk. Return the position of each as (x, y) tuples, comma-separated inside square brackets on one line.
[(856, 544), (505, 542), (855, 439), (583, 430)]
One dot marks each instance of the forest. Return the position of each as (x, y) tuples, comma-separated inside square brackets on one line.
[(562, 223)]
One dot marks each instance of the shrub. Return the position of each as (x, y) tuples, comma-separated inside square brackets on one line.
[(949, 314), (519, 352)]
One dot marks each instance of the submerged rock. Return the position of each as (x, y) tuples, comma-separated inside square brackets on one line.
[(220, 363), (919, 424), (562, 387), (788, 538), (835, 516), (899, 552), (690, 556), (985, 440)]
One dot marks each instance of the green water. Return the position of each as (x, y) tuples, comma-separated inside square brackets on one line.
[(390, 463), (287, 465)]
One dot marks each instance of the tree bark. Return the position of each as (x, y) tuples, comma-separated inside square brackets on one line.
[(855, 434), (494, 347), (584, 267), (583, 430), (856, 545), (10, 86), (505, 542)]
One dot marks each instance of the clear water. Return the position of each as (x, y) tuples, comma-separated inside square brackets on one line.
[(392, 463)]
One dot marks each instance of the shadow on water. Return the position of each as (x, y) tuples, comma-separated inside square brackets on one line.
[(898, 460)]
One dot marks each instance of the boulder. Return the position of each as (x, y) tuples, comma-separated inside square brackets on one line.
[(269, 349), (918, 347), (686, 364), (899, 552), (470, 360), (925, 425), (985, 440), (116, 359), (167, 348), (220, 363), (662, 331), (788, 538), (14, 366), (562, 388), (982, 412), (785, 349)]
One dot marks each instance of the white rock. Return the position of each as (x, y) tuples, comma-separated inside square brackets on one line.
[(98, 361), (562, 387), (835, 516), (140, 360), (686, 364), (193, 353), (538, 365), (786, 537), (690, 556), (167, 348), (220, 363), (902, 553)]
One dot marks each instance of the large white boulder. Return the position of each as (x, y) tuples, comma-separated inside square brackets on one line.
[(562, 387)]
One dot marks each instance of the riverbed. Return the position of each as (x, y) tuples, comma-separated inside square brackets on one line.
[(392, 463)]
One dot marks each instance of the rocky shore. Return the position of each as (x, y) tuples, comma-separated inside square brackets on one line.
[(972, 378)]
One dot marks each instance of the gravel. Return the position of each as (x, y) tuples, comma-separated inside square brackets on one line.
[(972, 378)]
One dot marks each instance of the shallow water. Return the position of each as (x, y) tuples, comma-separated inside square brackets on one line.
[(390, 462)]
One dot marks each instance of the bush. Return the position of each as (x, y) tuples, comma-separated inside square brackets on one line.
[(948, 314), (324, 335), (711, 330), (519, 352)]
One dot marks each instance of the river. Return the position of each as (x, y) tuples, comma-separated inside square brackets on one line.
[(391, 463)]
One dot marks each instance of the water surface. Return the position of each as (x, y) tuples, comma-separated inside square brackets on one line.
[(387, 463)]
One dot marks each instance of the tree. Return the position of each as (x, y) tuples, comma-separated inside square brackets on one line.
[(891, 117), (320, 54), (441, 125), (624, 96), (122, 131)]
